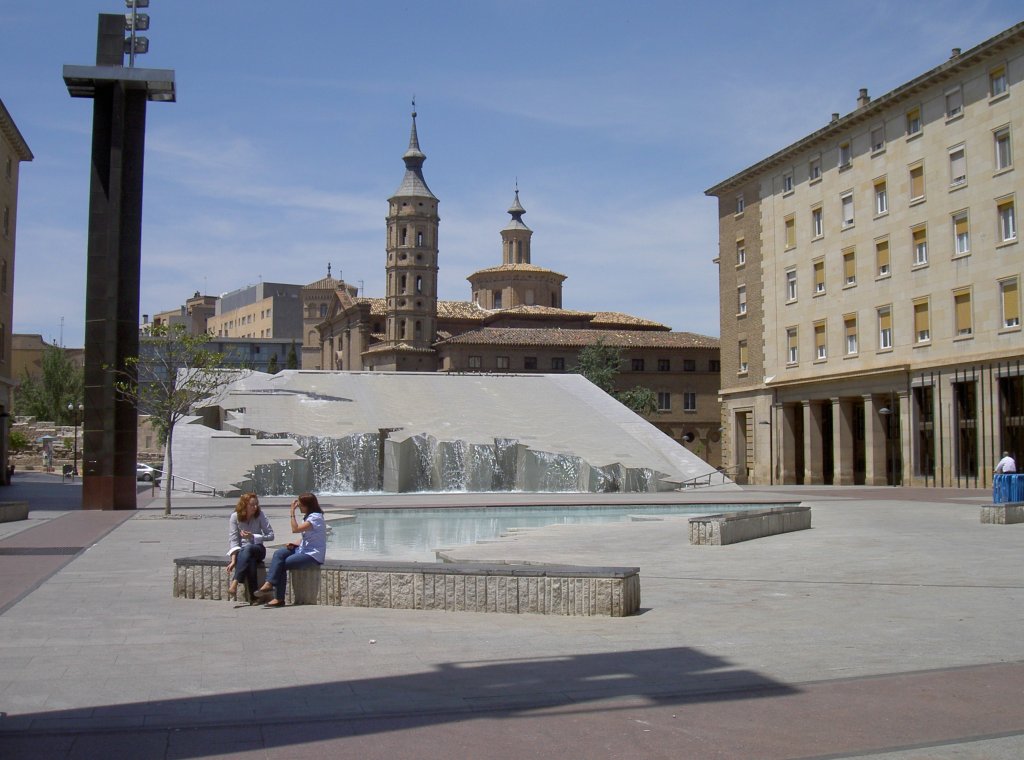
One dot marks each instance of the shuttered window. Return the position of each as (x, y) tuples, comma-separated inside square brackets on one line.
[(882, 258), (917, 182), (962, 313), (1011, 303), (819, 276), (820, 349), (922, 323), (849, 268)]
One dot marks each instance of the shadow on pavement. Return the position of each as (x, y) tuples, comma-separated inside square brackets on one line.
[(452, 692)]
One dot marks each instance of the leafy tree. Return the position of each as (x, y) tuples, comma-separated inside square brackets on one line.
[(17, 440), (47, 396), (600, 364), (292, 361), (272, 368), (174, 371)]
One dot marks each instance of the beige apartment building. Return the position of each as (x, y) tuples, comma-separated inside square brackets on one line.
[(13, 150), (515, 321), (870, 278)]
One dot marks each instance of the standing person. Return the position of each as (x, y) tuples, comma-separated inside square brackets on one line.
[(312, 548), (248, 528), (1006, 465)]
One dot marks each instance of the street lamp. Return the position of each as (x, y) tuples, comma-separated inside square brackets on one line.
[(75, 415), (891, 474)]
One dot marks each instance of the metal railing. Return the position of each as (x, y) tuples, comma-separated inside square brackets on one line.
[(193, 486), (708, 478)]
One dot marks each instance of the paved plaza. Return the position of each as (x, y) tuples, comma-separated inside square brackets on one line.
[(894, 628)]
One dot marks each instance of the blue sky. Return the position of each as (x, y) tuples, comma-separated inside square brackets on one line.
[(287, 136)]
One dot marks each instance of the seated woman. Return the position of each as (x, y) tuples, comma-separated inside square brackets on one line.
[(310, 551), (248, 528)]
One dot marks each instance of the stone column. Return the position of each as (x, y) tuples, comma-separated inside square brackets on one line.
[(785, 416), (874, 441), (842, 442), (906, 435), (813, 473)]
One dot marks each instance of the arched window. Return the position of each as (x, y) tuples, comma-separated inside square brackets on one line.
[(419, 282), (323, 310), (405, 232), (419, 329), (311, 338), (402, 283), (419, 238)]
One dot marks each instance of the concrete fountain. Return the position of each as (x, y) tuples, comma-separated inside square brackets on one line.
[(340, 432)]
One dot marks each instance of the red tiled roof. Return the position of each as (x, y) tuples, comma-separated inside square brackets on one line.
[(570, 338)]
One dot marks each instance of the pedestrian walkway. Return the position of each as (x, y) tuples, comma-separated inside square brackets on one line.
[(890, 629)]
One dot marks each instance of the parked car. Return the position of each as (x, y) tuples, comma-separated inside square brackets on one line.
[(145, 472)]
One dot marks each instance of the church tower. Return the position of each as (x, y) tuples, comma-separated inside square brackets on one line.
[(515, 238), (411, 270)]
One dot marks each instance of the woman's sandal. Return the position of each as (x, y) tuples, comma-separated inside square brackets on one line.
[(274, 604)]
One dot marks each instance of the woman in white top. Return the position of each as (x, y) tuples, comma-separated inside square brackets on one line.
[(248, 528), (310, 550)]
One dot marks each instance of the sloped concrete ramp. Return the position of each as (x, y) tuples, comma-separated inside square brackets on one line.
[(337, 432)]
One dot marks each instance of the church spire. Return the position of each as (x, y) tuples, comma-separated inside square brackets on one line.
[(515, 238), (413, 183)]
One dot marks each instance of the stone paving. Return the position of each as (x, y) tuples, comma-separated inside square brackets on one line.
[(891, 628)]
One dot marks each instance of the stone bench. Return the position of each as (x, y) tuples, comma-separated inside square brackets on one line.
[(733, 527), (1003, 514), (461, 587), (10, 511)]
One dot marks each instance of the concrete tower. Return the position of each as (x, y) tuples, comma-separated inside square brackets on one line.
[(411, 269)]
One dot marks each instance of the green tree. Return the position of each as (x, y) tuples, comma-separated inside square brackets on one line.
[(292, 361), (174, 371), (272, 368), (47, 396), (600, 364), (18, 441)]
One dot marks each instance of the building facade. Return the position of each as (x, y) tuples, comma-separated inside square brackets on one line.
[(514, 322), (869, 280), (13, 151), (264, 310)]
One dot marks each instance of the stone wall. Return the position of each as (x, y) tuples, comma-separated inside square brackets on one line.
[(733, 527)]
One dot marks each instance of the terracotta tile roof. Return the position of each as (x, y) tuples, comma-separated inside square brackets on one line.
[(537, 312), (400, 348), (378, 306), (460, 310), (556, 337), (516, 268), (619, 318), (326, 283)]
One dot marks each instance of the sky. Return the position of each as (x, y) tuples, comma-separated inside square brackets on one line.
[(286, 138)]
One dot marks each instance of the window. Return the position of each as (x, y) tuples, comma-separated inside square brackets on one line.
[(740, 204), (917, 182), (664, 365), (496, 296), (963, 325), (997, 84), (529, 362), (847, 203), (1011, 302), (689, 401), (850, 330), (881, 197), (790, 227), (961, 233), (501, 362), (714, 365), (557, 364), (849, 268), (957, 166), (741, 299), (741, 253), (1004, 153), (6, 221), (820, 348), (882, 258), (476, 362), (787, 182), (664, 401), (3, 276), (638, 365), (819, 276), (7, 168), (922, 321), (1007, 220), (885, 328), (689, 365), (817, 222), (791, 285), (878, 139), (814, 169), (742, 346), (792, 347), (920, 242), (954, 103), (845, 154), (913, 122)]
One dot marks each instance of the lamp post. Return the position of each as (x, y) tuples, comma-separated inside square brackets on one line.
[(891, 474), (76, 414)]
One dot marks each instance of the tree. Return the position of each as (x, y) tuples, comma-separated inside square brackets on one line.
[(47, 396), (18, 441), (293, 359), (173, 373), (272, 368), (600, 363)]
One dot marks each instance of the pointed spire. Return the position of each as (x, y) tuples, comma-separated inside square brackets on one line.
[(328, 269), (516, 211), (413, 183)]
